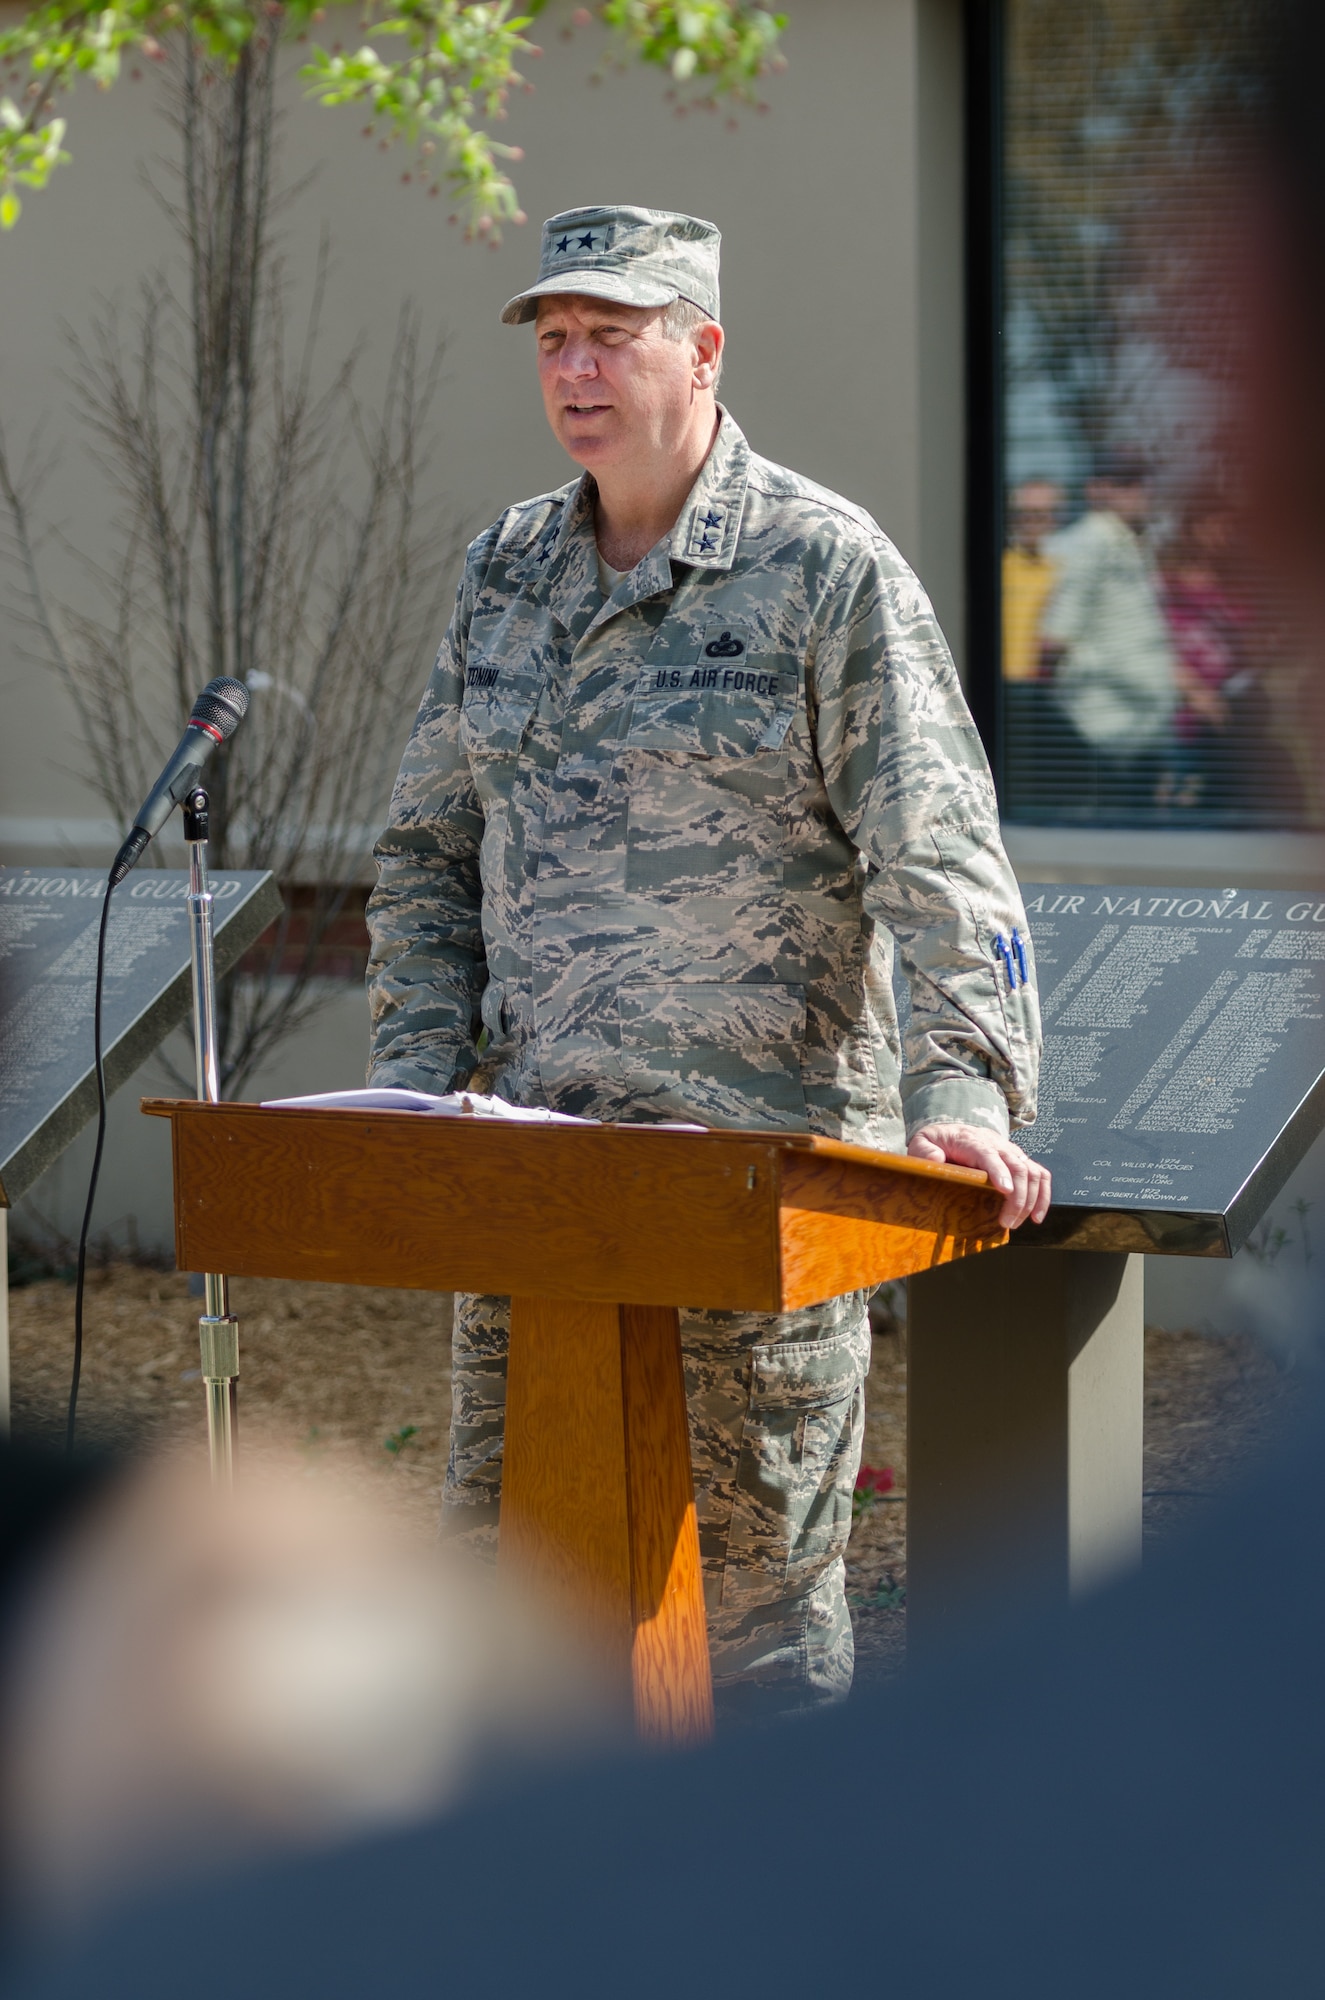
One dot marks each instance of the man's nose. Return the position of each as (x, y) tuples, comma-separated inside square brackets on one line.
[(578, 359)]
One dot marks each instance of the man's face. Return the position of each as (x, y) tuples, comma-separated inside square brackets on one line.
[(1036, 508), (1129, 499), (614, 387)]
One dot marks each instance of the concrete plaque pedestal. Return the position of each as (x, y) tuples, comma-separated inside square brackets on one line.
[(1025, 1399)]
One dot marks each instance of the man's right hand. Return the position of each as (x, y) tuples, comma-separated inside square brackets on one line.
[(1023, 1182)]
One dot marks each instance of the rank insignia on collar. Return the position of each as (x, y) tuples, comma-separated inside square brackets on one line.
[(705, 535)]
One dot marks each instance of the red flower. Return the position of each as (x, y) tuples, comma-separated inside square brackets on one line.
[(875, 1479)]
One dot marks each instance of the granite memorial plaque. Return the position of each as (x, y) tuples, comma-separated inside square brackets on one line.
[(1184, 1064), (48, 957)]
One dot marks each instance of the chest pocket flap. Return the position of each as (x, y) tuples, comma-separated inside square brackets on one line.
[(499, 701), (730, 705)]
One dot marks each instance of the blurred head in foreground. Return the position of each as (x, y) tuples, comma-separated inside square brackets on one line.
[(193, 1677)]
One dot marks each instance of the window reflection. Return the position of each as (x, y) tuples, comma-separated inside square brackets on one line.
[(1147, 677)]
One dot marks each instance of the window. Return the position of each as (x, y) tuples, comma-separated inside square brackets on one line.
[(1143, 675)]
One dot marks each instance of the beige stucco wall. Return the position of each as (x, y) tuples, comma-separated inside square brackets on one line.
[(842, 292)]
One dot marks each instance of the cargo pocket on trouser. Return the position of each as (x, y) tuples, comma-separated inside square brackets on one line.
[(471, 1498), (800, 1449)]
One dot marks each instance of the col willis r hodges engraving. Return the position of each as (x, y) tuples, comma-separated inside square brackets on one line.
[(1183, 1075)]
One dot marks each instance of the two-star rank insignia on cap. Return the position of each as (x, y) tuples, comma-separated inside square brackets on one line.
[(590, 240)]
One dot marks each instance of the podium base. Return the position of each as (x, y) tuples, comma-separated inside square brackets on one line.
[(598, 1502)]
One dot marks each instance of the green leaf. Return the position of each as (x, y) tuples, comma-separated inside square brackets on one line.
[(454, 71)]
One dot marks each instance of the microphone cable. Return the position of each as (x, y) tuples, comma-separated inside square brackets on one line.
[(96, 1167)]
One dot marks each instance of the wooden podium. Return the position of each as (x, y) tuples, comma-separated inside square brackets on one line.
[(598, 1233)]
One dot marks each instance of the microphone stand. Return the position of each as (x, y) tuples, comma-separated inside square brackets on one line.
[(218, 1329)]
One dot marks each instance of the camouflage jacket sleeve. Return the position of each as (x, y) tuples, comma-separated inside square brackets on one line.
[(907, 777), (426, 965)]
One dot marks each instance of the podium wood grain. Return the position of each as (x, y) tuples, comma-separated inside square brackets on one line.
[(598, 1233), (843, 1223), (629, 1214), (670, 1673), (564, 1466), (595, 1411)]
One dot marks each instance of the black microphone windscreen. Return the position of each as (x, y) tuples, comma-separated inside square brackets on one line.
[(221, 706)]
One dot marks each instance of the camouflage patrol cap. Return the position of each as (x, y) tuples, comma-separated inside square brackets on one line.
[(634, 256)]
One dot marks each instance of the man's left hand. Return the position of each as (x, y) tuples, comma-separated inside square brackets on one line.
[(1022, 1181)]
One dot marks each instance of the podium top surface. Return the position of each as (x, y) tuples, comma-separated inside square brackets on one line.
[(1184, 1062), (633, 1214), (49, 920)]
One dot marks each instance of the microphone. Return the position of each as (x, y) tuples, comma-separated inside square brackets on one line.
[(217, 714)]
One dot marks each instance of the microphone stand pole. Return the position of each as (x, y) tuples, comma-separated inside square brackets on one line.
[(218, 1329)]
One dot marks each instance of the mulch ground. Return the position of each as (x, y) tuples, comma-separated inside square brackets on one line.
[(361, 1377), (346, 1374)]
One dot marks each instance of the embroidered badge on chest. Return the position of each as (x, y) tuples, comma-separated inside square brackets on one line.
[(721, 666), (724, 645)]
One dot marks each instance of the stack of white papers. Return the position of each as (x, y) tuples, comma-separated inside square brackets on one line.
[(456, 1104)]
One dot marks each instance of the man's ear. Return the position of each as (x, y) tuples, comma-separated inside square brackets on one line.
[(709, 340)]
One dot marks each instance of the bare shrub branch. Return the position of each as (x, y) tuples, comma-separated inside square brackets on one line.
[(272, 525)]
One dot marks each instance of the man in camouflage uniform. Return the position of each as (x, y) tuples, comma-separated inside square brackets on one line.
[(692, 763)]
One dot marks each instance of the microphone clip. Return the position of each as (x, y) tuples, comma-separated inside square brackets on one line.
[(195, 811)]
